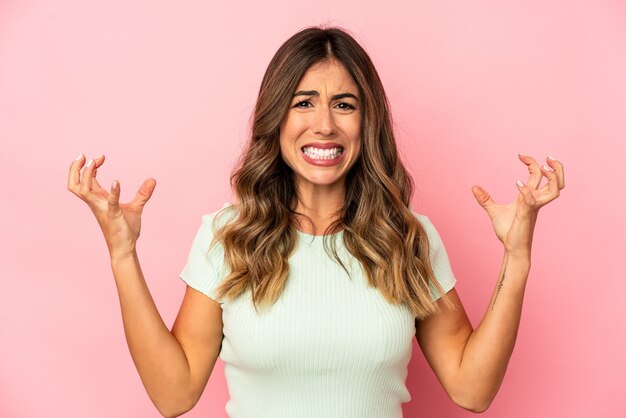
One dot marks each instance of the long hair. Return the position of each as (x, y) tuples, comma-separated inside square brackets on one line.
[(380, 230)]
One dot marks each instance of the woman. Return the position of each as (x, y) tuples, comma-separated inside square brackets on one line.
[(313, 285)]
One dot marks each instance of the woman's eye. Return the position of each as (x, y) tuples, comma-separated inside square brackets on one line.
[(303, 103), (345, 106)]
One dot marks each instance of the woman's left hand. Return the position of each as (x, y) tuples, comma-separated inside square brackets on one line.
[(514, 223)]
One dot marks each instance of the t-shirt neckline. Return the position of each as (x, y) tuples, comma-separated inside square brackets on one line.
[(318, 236)]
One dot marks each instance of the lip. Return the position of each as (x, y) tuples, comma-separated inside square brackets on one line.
[(322, 145)]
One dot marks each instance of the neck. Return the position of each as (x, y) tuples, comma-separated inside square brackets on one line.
[(322, 204)]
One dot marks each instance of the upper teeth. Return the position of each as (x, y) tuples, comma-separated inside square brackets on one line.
[(318, 152)]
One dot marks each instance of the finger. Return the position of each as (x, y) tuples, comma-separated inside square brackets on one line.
[(557, 166), (144, 193), (552, 186), (85, 184), (483, 198), (114, 210), (98, 161), (535, 172), (73, 179), (527, 194), (95, 185)]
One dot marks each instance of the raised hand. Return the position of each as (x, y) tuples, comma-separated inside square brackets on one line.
[(514, 223), (120, 223)]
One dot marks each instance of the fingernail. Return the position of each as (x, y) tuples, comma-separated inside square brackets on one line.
[(520, 183), (97, 158), (551, 158), (114, 184), (545, 167), (89, 163), (79, 157)]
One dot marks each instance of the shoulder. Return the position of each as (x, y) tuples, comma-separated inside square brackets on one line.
[(211, 223), (214, 220), (427, 224)]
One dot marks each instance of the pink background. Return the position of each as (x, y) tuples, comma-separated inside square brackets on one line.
[(165, 89)]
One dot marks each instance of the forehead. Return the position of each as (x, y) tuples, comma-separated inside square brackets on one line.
[(327, 75)]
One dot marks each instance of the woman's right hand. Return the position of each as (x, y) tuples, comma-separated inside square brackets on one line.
[(120, 223)]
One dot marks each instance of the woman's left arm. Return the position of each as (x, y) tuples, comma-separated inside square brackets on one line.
[(470, 363)]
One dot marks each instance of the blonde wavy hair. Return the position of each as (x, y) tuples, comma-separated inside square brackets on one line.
[(380, 230)]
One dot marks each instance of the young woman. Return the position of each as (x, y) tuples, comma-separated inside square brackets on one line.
[(313, 284)]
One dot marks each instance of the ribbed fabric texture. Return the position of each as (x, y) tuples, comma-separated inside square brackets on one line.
[(329, 347)]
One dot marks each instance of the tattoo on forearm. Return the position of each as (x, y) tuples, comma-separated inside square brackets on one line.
[(499, 287)]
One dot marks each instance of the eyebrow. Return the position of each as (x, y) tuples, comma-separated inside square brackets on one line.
[(316, 93)]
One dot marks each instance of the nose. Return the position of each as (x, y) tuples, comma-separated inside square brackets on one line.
[(324, 123)]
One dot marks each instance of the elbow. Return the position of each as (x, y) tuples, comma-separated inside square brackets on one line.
[(173, 408), (472, 402), (170, 411), (477, 408)]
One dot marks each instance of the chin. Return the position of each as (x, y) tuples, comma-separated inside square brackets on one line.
[(322, 181)]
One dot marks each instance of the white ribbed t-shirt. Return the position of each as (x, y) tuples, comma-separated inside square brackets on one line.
[(330, 346)]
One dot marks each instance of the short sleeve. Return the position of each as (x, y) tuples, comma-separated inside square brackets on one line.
[(438, 258), (205, 270)]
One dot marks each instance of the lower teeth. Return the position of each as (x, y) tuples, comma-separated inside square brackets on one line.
[(323, 158)]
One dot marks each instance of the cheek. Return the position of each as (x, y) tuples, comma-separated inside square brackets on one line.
[(292, 127), (286, 150), (284, 137), (353, 131)]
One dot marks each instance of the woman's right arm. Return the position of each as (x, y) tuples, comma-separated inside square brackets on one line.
[(174, 366)]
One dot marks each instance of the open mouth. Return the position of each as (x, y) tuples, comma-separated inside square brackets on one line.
[(322, 154)]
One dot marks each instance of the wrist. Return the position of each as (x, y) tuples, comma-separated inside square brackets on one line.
[(518, 253), (520, 259), (119, 256)]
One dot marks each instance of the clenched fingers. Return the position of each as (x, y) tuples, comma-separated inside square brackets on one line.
[(99, 161), (551, 191), (558, 169), (85, 182), (533, 168), (79, 184), (73, 181), (527, 194)]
